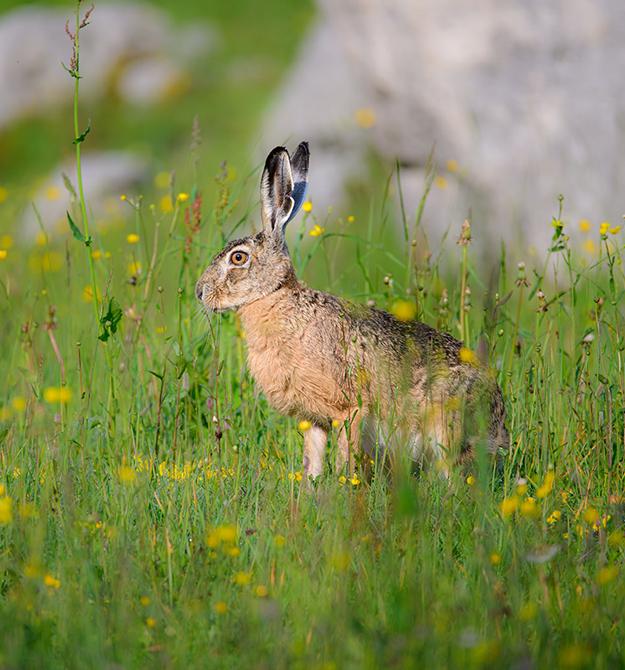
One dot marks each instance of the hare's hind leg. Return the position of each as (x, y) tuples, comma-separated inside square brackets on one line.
[(315, 442), (441, 437)]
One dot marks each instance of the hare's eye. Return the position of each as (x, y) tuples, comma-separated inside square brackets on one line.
[(238, 257)]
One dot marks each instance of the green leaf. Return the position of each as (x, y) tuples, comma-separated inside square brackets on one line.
[(75, 230), (110, 320), (81, 138), (69, 186)]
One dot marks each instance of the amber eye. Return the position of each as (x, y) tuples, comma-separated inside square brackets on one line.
[(238, 257)]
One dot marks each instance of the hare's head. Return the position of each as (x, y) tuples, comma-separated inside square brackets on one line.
[(255, 266)]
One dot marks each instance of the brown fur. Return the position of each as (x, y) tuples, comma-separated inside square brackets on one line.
[(323, 359)]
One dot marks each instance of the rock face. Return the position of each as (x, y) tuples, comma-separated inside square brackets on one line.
[(525, 98), (106, 175), (124, 43)]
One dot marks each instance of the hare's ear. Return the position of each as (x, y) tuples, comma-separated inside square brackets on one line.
[(276, 191), (299, 167)]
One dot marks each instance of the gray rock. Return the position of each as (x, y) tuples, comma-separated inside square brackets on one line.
[(526, 96), (106, 175), (123, 41)]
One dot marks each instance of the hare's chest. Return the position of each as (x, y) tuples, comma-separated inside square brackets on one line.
[(293, 381)]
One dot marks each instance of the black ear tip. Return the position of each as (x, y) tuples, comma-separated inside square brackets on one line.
[(301, 158), (274, 153)]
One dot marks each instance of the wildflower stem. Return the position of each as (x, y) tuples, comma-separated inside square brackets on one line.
[(78, 139), (81, 190), (463, 287)]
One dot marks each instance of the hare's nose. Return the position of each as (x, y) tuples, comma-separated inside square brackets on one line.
[(199, 290)]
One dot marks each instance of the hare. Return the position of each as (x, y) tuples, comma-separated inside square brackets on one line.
[(397, 385)]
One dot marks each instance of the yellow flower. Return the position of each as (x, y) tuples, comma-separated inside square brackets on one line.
[(144, 600), (468, 356), (365, 117), (554, 517), (336, 423), (132, 238), (303, 426), (134, 268), (528, 611), (440, 182), (150, 622), (52, 582), (354, 481), (607, 574), (234, 552), (485, 654), (18, 403), (41, 239), (495, 558), (87, 293), (126, 474), (590, 247), (6, 510), (279, 541), (404, 310), (547, 486), (452, 165), (316, 230), (471, 480), (166, 204), (162, 179), (615, 229), (242, 578), (351, 218), (6, 241), (261, 591), (161, 329), (55, 394), (49, 261), (32, 570), (603, 228), (521, 488), (574, 656), (53, 192), (27, 510), (226, 534), (584, 225), (509, 506), (123, 197), (220, 607), (182, 197), (307, 207), (591, 516), (96, 255), (4, 194), (529, 508), (3, 254)]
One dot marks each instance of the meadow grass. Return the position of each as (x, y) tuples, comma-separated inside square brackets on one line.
[(152, 508)]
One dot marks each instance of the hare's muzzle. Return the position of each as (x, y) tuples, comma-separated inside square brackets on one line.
[(199, 290)]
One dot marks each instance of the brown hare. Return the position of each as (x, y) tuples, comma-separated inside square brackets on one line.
[(390, 384)]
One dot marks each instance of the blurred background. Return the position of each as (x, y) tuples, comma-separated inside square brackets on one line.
[(512, 103)]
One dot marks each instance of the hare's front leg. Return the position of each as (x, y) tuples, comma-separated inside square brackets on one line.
[(315, 441)]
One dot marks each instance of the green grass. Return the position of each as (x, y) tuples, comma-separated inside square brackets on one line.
[(115, 492), (157, 518)]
